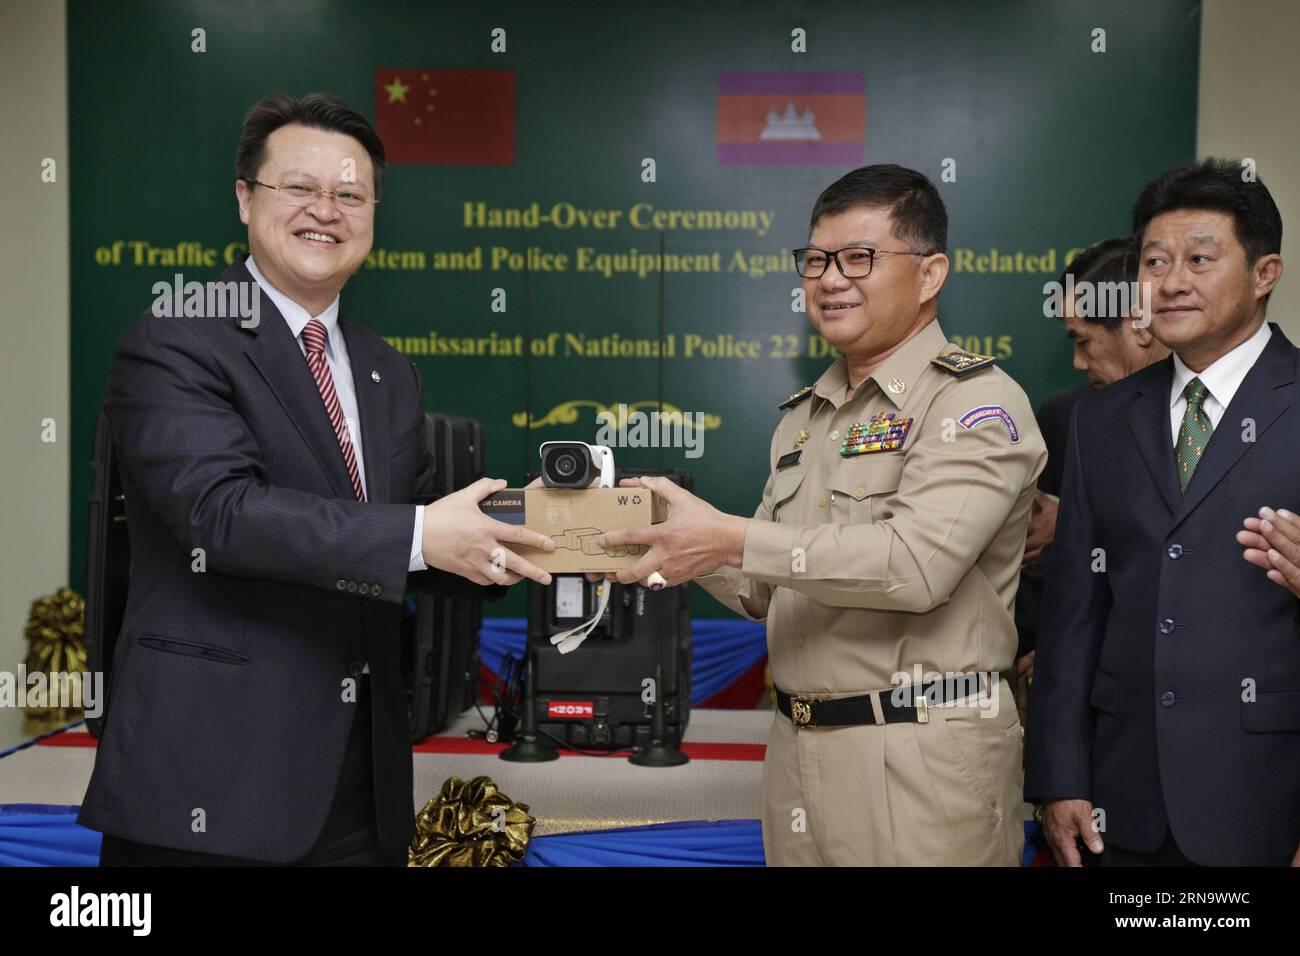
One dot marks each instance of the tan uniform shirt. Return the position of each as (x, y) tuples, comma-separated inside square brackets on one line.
[(866, 565)]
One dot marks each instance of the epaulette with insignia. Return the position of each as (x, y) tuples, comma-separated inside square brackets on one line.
[(962, 363), (797, 397)]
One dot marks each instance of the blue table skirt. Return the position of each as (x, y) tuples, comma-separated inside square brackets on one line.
[(40, 835)]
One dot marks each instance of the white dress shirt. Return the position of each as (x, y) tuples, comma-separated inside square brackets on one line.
[(336, 355), (1222, 377)]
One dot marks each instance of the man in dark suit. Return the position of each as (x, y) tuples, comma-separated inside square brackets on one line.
[(1107, 346), (1165, 722), (272, 463)]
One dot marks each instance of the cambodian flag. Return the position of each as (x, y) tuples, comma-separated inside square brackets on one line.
[(778, 118)]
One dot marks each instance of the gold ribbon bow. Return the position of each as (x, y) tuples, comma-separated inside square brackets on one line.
[(56, 630), (470, 824)]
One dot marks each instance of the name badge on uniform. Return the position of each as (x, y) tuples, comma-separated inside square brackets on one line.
[(881, 432), (789, 458)]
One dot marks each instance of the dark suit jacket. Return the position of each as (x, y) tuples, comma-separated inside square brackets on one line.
[(1167, 687), (228, 683), (1054, 422)]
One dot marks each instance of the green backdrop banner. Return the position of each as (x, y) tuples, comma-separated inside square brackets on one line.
[(584, 172)]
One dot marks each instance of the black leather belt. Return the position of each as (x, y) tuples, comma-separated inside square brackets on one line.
[(910, 703)]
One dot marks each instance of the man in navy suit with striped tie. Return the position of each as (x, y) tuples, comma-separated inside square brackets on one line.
[(272, 467)]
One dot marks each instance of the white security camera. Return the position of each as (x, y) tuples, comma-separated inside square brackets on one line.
[(575, 464)]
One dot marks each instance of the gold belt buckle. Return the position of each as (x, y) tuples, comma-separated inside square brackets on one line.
[(800, 711), (922, 709)]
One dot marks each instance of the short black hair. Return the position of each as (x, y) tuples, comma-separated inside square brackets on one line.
[(1222, 186), (316, 110), (918, 214), (1110, 261)]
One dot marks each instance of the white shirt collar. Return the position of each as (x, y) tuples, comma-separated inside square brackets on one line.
[(293, 313), (1223, 376)]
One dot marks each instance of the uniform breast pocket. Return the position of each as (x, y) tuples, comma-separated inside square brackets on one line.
[(784, 487), (859, 487)]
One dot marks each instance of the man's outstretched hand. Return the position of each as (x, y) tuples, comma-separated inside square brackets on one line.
[(695, 539), (460, 538)]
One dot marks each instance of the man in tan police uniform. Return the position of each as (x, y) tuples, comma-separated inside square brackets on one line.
[(885, 554)]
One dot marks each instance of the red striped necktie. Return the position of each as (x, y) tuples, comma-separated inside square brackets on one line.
[(313, 337)]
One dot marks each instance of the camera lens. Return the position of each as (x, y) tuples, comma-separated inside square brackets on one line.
[(566, 464)]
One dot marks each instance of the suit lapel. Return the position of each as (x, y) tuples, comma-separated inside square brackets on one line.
[(276, 355), (1148, 419), (372, 408), (1261, 398)]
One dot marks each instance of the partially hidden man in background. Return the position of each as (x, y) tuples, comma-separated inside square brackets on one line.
[(1108, 343)]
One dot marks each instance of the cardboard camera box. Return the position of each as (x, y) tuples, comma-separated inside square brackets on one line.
[(574, 518)]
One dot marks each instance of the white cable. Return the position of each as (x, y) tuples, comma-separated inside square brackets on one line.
[(571, 639)]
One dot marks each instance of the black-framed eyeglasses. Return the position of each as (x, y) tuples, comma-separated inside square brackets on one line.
[(854, 262), (298, 192)]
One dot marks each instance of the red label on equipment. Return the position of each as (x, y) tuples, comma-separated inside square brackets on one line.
[(570, 708)]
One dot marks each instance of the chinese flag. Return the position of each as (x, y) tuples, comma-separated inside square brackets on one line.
[(447, 117)]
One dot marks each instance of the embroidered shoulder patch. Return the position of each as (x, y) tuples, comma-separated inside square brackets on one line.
[(984, 413)]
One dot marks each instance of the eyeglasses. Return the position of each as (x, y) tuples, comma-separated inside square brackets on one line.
[(297, 193), (812, 263)]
